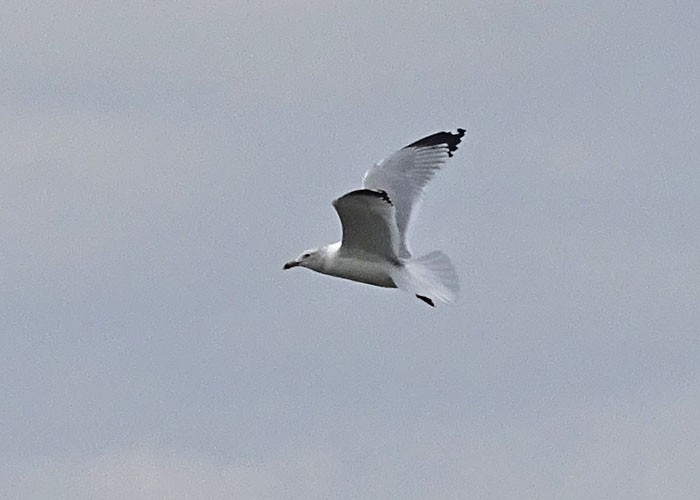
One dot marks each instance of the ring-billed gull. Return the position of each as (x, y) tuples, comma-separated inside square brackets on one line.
[(375, 219)]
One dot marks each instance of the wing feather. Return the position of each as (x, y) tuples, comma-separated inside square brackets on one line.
[(404, 174), (369, 223)]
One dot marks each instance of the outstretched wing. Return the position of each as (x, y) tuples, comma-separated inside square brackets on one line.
[(369, 223), (404, 174)]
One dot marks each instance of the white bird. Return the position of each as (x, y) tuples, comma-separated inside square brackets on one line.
[(375, 219)]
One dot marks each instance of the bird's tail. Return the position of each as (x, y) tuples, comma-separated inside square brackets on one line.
[(429, 277)]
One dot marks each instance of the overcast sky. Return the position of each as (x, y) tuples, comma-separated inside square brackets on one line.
[(161, 161)]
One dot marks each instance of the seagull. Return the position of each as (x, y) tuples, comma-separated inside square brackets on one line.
[(375, 220)]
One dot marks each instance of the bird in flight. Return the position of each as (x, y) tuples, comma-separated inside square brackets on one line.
[(375, 220)]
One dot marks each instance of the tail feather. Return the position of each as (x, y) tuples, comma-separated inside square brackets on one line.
[(432, 276)]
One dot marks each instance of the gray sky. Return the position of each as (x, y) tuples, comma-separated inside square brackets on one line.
[(162, 161)]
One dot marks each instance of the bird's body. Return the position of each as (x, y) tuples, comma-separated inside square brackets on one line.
[(365, 267), (374, 247)]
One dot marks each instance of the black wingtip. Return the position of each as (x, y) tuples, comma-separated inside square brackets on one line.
[(426, 300), (375, 193), (450, 139), (384, 196)]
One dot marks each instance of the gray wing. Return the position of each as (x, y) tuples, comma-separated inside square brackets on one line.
[(369, 223), (404, 174)]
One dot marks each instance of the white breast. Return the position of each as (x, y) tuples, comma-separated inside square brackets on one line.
[(370, 269)]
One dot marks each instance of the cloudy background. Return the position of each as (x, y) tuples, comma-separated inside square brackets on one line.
[(161, 160)]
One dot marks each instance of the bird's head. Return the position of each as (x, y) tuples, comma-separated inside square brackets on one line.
[(313, 259)]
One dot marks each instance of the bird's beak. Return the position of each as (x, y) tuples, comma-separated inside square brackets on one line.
[(290, 264)]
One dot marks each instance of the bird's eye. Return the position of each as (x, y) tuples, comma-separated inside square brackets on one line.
[(306, 256)]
